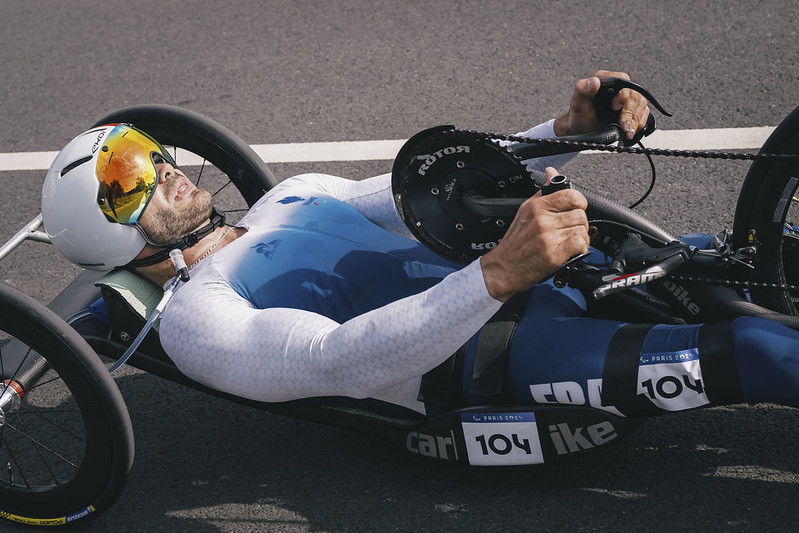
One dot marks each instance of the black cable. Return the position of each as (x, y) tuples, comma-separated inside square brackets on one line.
[(651, 183)]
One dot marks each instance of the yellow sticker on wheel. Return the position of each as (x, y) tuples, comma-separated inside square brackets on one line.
[(48, 521)]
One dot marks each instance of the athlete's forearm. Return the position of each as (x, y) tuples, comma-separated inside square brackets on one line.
[(282, 354)]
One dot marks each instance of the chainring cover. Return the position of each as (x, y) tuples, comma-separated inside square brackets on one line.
[(430, 174)]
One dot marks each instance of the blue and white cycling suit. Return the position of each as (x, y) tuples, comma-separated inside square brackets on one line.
[(327, 294)]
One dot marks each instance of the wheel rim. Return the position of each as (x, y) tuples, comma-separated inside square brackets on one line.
[(775, 232)]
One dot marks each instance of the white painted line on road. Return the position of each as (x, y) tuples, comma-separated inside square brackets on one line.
[(705, 139), (328, 151), (709, 139), (26, 160)]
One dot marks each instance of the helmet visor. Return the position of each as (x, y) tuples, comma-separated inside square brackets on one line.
[(127, 172)]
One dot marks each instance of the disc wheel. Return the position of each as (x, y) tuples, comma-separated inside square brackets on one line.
[(66, 441), (767, 217)]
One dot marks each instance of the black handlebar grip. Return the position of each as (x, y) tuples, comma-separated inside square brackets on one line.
[(557, 183)]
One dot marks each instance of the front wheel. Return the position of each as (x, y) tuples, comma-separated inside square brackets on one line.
[(66, 441), (767, 216)]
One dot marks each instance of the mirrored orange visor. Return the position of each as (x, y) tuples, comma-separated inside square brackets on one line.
[(126, 169)]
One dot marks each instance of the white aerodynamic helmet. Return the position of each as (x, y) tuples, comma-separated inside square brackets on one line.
[(95, 192)]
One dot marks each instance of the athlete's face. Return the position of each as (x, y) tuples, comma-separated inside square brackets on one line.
[(177, 207)]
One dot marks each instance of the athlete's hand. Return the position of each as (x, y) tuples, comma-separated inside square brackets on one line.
[(547, 231), (582, 116)]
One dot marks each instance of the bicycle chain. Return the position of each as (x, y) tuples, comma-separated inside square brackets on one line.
[(627, 149), (642, 150), (734, 283)]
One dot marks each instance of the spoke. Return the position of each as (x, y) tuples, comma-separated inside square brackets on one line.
[(40, 445), (9, 470), (16, 372), (200, 174), (41, 415), (39, 449), (42, 383), (222, 187)]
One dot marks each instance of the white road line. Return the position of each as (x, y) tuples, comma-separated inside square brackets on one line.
[(706, 139)]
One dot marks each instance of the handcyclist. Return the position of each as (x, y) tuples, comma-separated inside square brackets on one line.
[(320, 291)]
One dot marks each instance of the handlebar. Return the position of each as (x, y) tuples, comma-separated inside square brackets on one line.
[(608, 89)]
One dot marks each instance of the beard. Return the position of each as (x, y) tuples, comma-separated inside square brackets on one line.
[(166, 226)]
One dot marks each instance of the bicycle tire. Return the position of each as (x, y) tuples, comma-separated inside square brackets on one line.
[(66, 449), (761, 214), (188, 130)]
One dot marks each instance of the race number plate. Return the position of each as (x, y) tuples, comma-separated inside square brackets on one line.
[(672, 380), (501, 438)]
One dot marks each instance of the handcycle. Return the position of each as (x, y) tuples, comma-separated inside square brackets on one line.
[(66, 442)]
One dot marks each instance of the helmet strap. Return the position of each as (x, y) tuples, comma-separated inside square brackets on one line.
[(216, 220)]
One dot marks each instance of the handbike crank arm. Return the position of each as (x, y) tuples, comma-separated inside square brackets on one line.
[(625, 281), (478, 204)]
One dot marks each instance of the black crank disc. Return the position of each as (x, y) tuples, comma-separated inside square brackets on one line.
[(431, 173)]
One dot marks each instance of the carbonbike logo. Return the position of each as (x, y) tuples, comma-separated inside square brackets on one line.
[(96, 144), (681, 294), (572, 393), (567, 440), (432, 446), (432, 158)]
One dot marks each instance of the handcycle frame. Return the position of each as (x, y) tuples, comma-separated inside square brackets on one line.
[(496, 433)]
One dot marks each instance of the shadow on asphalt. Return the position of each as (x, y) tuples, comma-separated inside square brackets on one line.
[(206, 465)]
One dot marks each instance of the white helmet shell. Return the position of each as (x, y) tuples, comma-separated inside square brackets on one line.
[(73, 219)]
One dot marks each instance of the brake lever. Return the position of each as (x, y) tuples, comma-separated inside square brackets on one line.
[(603, 99), (665, 261)]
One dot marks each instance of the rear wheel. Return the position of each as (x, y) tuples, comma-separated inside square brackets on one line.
[(767, 216), (66, 441)]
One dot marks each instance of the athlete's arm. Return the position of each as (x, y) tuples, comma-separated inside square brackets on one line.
[(217, 338)]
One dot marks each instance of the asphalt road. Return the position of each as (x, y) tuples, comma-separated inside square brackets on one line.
[(294, 71)]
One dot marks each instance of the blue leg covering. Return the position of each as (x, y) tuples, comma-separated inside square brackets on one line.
[(556, 356), (767, 357)]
